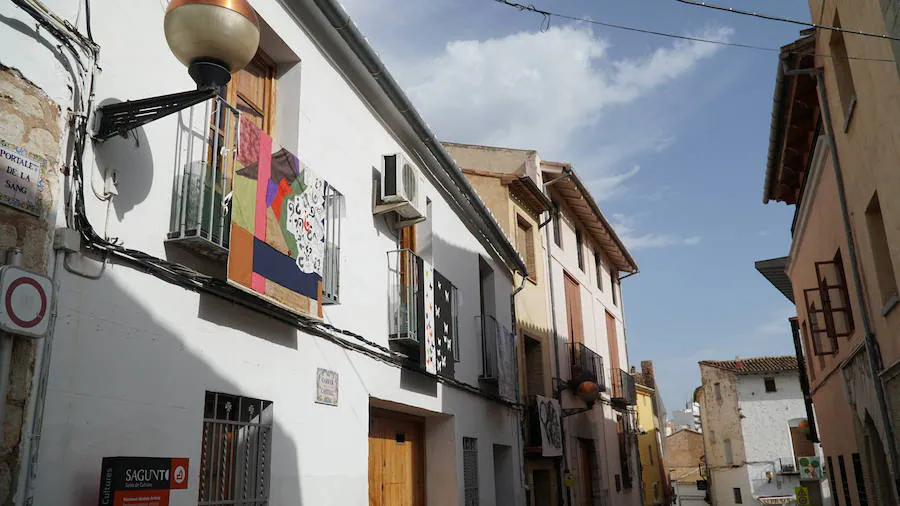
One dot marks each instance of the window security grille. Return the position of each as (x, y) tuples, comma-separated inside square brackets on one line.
[(860, 480), (844, 483), (236, 451), (828, 306), (331, 267), (470, 470)]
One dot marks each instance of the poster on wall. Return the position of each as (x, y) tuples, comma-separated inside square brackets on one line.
[(444, 325), (810, 468), (550, 417), (22, 179), (144, 481), (277, 242)]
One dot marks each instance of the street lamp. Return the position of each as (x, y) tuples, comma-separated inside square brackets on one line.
[(213, 38)]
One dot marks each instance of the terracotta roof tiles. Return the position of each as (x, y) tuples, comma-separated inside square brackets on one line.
[(756, 365)]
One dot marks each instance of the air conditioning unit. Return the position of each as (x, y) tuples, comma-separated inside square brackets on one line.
[(402, 190)]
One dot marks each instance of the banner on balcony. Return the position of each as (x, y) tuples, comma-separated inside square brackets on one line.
[(551, 426), (436, 321), (277, 242)]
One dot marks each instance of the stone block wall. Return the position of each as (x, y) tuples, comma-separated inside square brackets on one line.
[(31, 120)]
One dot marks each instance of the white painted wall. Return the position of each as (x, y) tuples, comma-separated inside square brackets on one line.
[(594, 304), (133, 355), (688, 495)]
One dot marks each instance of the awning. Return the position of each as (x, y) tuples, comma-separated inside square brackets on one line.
[(777, 499), (774, 271)]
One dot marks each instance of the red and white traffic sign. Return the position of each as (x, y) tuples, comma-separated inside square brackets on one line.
[(25, 301)]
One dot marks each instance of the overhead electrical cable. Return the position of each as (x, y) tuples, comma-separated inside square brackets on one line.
[(545, 24), (788, 20)]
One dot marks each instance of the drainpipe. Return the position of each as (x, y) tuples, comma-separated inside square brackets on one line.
[(14, 259), (555, 334), (813, 435), (520, 418), (871, 344)]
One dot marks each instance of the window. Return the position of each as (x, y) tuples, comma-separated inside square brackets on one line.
[(650, 453), (729, 454), (655, 490), (598, 266), (614, 288), (525, 245), (737, 496), (235, 451), (252, 91), (833, 483), (718, 388), (579, 244), (557, 226), (860, 480), (844, 483), (470, 470), (770, 385), (884, 267), (842, 74)]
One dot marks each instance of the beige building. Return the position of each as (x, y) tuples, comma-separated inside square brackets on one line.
[(833, 150), (570, 325), (684, 454)]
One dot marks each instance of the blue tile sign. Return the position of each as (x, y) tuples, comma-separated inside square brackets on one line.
[(327, 387), (22, 179)]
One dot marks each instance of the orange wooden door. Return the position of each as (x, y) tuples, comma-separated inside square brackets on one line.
[(396, 460), (613, 340), (573, 310)]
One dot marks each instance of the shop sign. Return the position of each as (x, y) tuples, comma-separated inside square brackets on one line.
[(141, 481)]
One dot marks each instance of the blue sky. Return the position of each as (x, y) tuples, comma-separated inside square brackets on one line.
[(671, 136)]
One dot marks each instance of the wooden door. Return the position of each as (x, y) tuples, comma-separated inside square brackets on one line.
[(573, 310), (613, 340), (587, 457), (396, 460)]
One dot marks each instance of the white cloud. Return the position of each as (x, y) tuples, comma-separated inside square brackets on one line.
[(625, 227), (538, 89), (607, 187)]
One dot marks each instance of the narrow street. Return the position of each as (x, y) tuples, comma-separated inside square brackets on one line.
[(449, 253)]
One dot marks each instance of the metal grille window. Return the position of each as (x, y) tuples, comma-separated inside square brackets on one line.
[(598, 265), (844, 483), (470, 470), (236, 451), (579, 245), (557, 227), (331, 267), (738, 497), (490, 347), (832, 482), (860, 480)]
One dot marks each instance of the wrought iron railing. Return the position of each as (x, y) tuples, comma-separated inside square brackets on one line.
[(587, 365), (623, 390), (206, 145), (490, 347), (404, 298)]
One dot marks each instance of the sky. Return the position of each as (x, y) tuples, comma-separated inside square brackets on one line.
[(670, 136)]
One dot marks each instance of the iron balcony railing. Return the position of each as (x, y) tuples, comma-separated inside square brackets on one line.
[(788, 465), (205, 145), (404, 298), (623, 390), (587, 365), (490, 347)]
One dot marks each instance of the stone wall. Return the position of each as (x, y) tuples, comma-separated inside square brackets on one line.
[(31, 120)]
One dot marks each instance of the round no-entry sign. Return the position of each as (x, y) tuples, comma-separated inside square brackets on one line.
[(25, 299)]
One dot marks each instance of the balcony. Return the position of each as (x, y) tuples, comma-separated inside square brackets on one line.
[(587, 365), (498, 362), (405, 299), (623, 389), (490, 347), (206, 145)]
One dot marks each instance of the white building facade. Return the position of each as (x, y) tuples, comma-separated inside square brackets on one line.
[(155, 355), (754, 430), (587, 261)]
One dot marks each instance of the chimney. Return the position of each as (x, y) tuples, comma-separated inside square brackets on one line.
[(738, 362), (647, 373)]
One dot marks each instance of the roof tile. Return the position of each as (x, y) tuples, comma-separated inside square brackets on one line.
[(756, 365)]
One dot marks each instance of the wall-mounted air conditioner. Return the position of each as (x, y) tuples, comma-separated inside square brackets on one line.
[(402, 190)]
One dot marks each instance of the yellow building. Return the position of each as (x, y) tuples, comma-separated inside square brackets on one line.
[(650, 427)]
